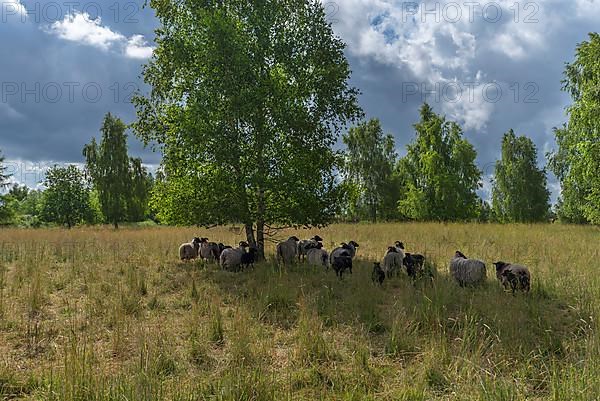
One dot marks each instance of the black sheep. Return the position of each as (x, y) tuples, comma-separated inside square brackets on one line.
[(248, 258), (378, 276), (342, 263), (414, 264)]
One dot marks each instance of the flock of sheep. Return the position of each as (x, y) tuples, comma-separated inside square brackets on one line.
[(466, 271)]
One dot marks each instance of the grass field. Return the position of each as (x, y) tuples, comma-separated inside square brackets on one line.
[(94, 314)]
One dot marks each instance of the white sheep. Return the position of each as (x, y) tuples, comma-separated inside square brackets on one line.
[(392, 261), (318, 256), (189, 250), (231, 258), (467, 271), (515, 276), (287, 251)]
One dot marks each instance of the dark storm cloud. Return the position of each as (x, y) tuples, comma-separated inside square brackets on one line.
[(54, 92), (397, 51)]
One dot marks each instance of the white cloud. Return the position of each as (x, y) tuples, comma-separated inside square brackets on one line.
[(81, 28), (12, 8), (440, 42), (137, 47)]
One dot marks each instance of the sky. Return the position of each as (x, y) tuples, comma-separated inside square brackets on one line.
[(490, 65)]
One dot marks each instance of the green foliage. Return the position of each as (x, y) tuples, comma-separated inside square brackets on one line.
[(438, 175), (247, 101), (485, 212), (25, 206), (108, 166), (67, 197), (519, 193), (141, 185), (576, 163), (369, 164), (19, 192), (122, 183)]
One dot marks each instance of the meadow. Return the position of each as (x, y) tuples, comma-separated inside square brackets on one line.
[(97, 314)]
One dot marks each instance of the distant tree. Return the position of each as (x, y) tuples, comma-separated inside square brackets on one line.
[(247, 100), (95, 215), (141, 184), (438, 175), (32, 204), (67, 197), (368, 166), (19, 192), (109, 168), (576, 163), (485, 212), (519, 191)]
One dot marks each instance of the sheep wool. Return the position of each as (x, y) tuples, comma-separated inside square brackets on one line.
[(305, 245), (287, 251), (467, 271), (209, 250), (378, 275), (349, 248), (342, 263), (392, 262), (317, 257), (189, 251), (517, 277), (231, 258)]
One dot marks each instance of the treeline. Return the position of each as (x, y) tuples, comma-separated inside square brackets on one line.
[(247, 114), (438, 179), (112, 188)]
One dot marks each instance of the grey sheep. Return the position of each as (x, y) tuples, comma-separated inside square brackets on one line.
[(467, 271), (287, 251), (209, 250), (189, 251), (392, 261), (318, 256), (517, 277), (231, 258), (305, 244), (349, 248)]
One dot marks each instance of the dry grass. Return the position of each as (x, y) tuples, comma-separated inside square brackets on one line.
[(94, 314)]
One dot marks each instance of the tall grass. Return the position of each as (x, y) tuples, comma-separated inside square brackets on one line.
[(97, 314)]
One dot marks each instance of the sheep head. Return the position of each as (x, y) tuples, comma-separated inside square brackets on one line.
[(354, 244), (317, 238), (399, 244), (459, 254)]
